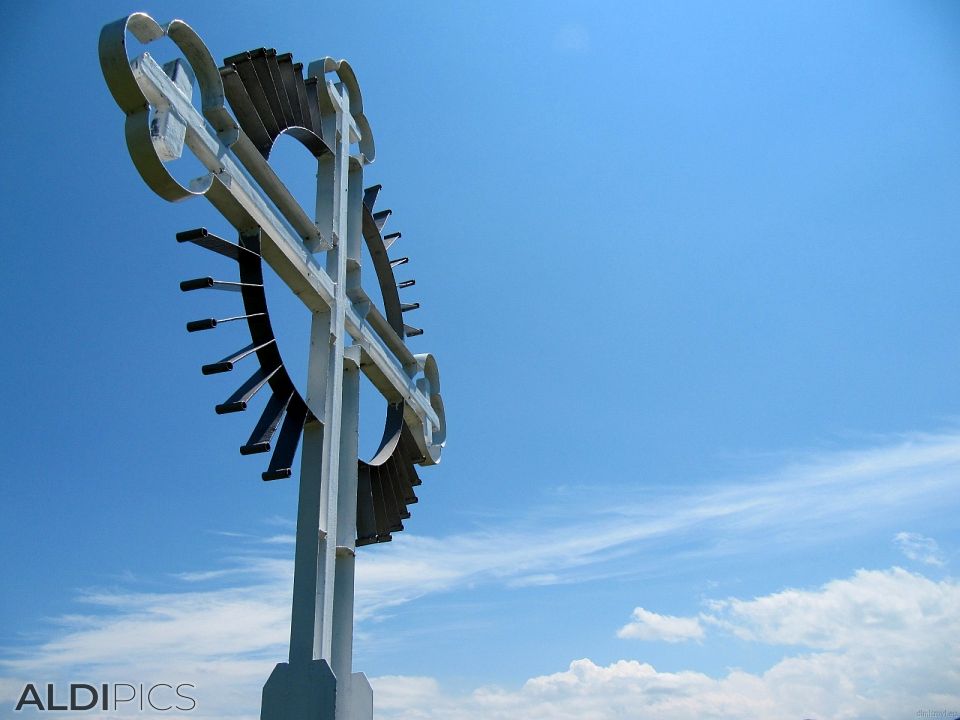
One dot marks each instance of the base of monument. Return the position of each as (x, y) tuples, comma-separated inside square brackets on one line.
[(361, 698), (303, 691), (308, 691)]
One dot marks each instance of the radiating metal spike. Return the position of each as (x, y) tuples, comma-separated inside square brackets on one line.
[(406, 284), (380, 218), (209, 241), (211, 323), (208, 283), (407, 307), (411, 331), (205, 324), (399, 261), (238, 401), (226, 365), (390, 239)]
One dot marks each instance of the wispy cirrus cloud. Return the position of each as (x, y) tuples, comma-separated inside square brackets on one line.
[(920, 548)]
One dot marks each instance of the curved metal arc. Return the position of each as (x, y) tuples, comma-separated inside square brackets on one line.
[(118, 71), (430, 440), (344, 71)]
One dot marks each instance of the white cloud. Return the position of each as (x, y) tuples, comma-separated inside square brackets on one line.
[(919, 548), (646, 625), (884, 645)]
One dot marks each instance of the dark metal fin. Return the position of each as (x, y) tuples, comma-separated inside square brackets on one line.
[(282, 460), (289, 83), (406, 284), (313, 105), (404, 473), (399, 495), (251, 82), (303, 100), (411, 331), (245, 109), (370, 196), (407, 307), (259, 441), (399, 261), (261, 64)]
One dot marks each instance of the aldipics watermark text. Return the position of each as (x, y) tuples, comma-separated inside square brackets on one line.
[(157, 697)]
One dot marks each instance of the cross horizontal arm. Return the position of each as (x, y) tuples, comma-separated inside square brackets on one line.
[(386, 361)]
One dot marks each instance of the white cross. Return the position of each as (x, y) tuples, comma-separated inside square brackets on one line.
[(244, 188)]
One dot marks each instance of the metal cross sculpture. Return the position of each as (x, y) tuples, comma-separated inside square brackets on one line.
[(343, 502)]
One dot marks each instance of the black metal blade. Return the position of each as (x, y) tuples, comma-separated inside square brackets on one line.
[(245, 109), (370, 196), (303, 100), (261, 66), (379, 503), (310, 85), (403, 471), (266, 426), (396, 489), (289, 80), (393, 504), (366, 517), (251, 83), (286, 109)]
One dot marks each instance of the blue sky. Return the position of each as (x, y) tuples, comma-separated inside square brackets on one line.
[(689, 271)]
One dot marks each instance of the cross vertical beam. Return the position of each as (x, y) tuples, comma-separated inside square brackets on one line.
[(322, 615)]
